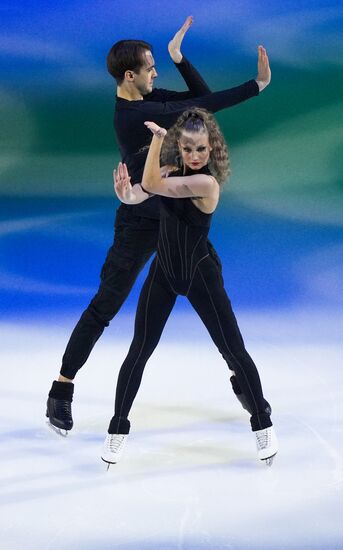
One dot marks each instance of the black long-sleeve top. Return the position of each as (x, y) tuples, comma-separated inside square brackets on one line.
[(164, 107)]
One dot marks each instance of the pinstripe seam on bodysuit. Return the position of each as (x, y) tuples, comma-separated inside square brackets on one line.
[(167, 279), (226, 344), (178, 242), (198, 262), (160, 258), (186, 237), (164, 251), (144, 339), (166, 236), (191, 265)]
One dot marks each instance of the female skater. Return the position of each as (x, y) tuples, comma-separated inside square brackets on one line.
[(195, 153)]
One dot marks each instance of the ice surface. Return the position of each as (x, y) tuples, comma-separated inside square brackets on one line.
[(189, 478)]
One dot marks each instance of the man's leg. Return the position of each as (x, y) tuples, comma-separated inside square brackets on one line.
[(135, 241)]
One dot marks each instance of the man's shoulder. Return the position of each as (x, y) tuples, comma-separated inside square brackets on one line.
[(158, 94), (148, 105), (126, 105)]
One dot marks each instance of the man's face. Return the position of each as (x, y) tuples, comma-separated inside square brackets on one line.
[(144, 80)]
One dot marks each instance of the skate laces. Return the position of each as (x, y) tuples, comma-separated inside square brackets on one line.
[(263, 438), (64, 408), (114, 442)]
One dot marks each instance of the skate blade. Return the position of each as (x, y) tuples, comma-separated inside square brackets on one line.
[(108, 463), (269, 461), (59, 431)]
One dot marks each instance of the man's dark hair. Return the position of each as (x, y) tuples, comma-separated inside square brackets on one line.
[(126, 55)]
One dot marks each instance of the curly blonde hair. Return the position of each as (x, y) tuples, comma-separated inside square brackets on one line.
[(198, 120)]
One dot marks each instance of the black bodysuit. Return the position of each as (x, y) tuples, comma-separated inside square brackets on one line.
[(184, 266), (182, 242)]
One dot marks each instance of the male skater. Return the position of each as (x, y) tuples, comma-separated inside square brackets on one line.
[(132, 65)]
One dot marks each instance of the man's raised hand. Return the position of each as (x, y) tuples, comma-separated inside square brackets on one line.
[(174, 46), (264, 74)]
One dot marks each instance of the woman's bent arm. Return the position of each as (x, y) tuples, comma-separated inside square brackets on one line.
[(127, 193), (195, 186)]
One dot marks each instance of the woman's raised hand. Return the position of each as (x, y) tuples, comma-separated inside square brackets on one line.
[(122, 183), (155, 129)]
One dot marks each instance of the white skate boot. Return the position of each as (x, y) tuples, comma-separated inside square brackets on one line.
[(267, 445), (113, 448)]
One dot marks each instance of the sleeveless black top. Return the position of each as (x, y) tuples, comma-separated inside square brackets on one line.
[(182, 242)]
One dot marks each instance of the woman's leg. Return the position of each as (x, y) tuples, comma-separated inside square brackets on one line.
[(208, 297), (155, 304)]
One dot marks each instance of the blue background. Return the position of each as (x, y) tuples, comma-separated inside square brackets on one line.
[(278, 228)]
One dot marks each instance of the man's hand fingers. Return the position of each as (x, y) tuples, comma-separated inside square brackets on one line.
[(174, 46), (115, 176), (262, 52), (187, 24), (263, 69)]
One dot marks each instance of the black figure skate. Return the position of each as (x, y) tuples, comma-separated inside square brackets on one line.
[(58, 407)]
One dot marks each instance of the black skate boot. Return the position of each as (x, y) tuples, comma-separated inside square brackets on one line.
[(58, 407), (242, 399)]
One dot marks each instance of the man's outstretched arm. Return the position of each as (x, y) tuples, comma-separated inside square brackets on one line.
[(195, 83), (198, 86), (165, 114)]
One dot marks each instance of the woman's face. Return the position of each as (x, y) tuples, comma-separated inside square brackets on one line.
[(194, 149)]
